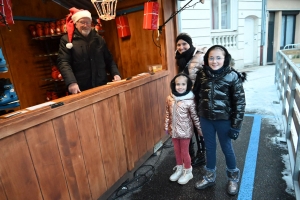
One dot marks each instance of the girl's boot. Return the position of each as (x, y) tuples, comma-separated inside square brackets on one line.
[(176, 175), (186, 176), (233, 179), (208, 179)]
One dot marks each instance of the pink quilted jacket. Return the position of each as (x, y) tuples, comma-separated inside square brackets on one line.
[(181, 115)]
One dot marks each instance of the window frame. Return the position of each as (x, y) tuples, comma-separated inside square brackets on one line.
[(233, 16)]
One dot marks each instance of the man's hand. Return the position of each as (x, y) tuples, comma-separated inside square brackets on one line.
[(74, 88), (116, 78)]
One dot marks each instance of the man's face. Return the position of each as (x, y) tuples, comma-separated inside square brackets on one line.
[(84, 26)]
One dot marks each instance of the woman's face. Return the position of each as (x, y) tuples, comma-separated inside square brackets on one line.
[(216, 59), (182, 46), (181, 84)]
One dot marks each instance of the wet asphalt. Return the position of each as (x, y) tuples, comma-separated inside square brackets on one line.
[(259, 157)]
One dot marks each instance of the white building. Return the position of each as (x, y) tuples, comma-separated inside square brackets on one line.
[(283, 26), (242, 26)]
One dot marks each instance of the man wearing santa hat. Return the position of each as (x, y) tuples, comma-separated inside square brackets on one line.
[(83, 57)]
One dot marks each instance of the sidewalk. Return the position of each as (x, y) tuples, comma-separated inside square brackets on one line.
[(260, 156)]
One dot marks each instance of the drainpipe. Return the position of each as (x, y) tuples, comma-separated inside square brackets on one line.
[(263, 31)]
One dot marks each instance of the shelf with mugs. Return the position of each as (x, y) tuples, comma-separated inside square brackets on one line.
[(48, 30)]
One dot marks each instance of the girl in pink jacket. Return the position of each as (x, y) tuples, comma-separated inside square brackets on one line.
[(181, 116)]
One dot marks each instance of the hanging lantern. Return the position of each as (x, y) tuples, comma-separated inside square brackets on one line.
[(123, 26), (106, 9), (151, 16)]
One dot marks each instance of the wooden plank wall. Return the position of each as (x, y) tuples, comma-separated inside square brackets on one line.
[(83, 153), (133, 54)]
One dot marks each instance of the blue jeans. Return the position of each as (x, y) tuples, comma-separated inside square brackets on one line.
[(209, 130)]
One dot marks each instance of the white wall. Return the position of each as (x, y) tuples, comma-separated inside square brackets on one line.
[(196, 21), (283, 5)]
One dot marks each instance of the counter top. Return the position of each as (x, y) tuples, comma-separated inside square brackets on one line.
[(26, 118)]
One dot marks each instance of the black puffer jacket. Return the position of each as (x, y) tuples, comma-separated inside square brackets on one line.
[(220, 96), (87, 62)]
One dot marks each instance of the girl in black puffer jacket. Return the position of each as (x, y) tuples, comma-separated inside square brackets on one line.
[(220, 99)]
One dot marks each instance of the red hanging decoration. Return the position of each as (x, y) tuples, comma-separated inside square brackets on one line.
[(151, 16), (123, 26), (98, 26), (6, 16)]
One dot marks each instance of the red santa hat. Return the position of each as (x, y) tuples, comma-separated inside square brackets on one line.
[(72, 18)]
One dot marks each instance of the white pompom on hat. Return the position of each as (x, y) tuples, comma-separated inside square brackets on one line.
[(72, 18)]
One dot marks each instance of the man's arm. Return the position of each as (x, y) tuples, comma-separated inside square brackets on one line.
[(64, 60)]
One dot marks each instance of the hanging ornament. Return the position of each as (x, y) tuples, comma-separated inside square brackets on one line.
[(106, 9), (151, 16), (98, 26), (6, 16), (123, 26)]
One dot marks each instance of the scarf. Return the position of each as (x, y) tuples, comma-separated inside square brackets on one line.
[(184, 58)]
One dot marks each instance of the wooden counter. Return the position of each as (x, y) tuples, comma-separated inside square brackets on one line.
[(85, 147)]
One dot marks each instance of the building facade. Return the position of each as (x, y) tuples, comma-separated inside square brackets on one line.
[(282, 26), (252, 30)]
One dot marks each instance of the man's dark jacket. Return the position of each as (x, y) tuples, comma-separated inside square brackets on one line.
[(87, 62)]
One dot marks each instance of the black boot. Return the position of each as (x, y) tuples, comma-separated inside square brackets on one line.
[(199, 159), (192, 150)]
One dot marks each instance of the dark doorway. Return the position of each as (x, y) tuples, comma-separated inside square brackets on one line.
[(270, 37)]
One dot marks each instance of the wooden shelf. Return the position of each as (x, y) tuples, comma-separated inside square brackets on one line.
[(47, 55), (49, 37), (54, 80)]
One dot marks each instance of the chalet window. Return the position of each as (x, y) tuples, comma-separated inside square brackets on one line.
[(224, 14)]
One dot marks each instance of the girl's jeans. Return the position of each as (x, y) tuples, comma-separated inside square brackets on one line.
[(211, 128), (181, 148)]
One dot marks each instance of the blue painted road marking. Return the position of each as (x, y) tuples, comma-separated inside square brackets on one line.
[(247, 182)]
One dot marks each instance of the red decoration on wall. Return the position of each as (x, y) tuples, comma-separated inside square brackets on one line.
[(6, 11), (151, 16), (123, 26)]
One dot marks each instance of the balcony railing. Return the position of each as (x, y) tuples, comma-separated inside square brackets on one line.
[(287, 80), (292, 46), (226, 39)]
